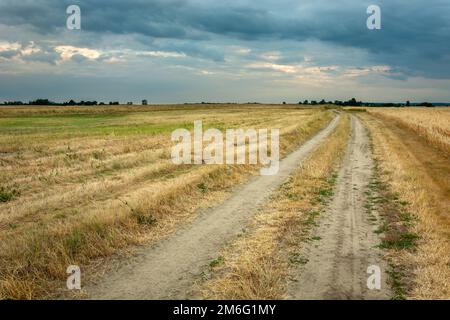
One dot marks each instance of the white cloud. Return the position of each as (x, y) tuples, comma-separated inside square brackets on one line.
[(30, 50), (271, 56), (114, 60), (272, 66), (293, 69), (163, 54), (358, 72), (206, 72), (9, 46), (67, 52)]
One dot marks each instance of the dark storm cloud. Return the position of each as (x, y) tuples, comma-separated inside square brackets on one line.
[(200, 49), (415, 37)]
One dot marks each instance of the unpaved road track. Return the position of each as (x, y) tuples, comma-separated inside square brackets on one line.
[(337, 263), (169, 269)]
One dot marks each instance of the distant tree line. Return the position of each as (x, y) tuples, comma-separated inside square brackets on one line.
[(354, 103), (350, 103), (47, 102)]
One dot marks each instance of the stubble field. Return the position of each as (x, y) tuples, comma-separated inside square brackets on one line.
[(85, 185), (79, 183)]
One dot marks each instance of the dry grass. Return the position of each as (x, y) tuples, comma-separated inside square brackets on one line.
[(256, 265), (91, 181), (419, 176), (431, 123)]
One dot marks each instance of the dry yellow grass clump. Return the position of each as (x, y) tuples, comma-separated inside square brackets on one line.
[(80, 183), (431, 123), (256, 265), (419, 176)]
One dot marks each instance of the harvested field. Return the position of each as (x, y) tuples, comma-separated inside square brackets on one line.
[(83, 182)]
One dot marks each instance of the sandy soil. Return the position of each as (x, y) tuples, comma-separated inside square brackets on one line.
[(169, 269), (337, 263)]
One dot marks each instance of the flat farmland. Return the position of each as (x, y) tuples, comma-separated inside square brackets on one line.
[(433, 125), (79, 183), (357, 190)]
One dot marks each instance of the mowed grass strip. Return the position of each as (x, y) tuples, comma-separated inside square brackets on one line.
[(416, 239), (256, 265), (53, 224)]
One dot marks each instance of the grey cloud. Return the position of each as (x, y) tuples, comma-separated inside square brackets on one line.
[(8, 54), (45, 57), (413, 31), (78, 58), (414, 40)]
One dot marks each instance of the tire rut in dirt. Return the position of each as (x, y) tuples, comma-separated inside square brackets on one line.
[(337, 263), (169, 269)]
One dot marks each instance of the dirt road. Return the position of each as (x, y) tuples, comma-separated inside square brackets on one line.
[(168, 269), (337, 263)]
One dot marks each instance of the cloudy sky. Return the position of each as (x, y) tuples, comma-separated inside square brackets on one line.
[(171, 51)]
